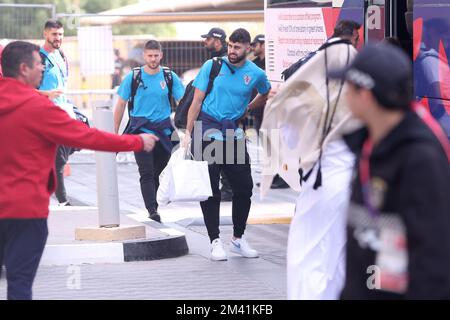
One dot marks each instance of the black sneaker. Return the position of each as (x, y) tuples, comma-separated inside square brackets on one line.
[(155, 216), (279, 183)]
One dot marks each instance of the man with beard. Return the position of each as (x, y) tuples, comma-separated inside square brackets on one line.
[(259, 51), (53, 85), (218, 115), (215, 42), (150, 109)]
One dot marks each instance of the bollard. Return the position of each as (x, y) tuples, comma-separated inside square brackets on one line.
[(107, 187)]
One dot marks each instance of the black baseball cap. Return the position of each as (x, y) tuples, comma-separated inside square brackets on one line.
[(259, 38), (215, 33), (385, 70)]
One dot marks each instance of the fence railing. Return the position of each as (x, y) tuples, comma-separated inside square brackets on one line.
[(24, 21)]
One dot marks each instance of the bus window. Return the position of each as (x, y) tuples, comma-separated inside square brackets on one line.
[(396, 24), (431, 58)]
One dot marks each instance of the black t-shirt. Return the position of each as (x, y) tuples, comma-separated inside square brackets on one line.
[(260, 63), (221, 53)]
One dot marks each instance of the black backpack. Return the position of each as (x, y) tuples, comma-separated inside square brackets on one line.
[(286, 74), (137, 80), (182, 110)]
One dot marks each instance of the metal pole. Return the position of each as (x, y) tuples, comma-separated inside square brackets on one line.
[(53, 11), (160, 14), (18, 5), (107, 188)]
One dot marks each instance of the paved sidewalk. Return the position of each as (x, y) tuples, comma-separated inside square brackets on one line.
[(160, 240), (63, 221), (186, 278), (192, 276), (278, 207)]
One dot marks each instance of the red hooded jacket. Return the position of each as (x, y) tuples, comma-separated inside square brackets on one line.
[(1, 49), (31, 127)]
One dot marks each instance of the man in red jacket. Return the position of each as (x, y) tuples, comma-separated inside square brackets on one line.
[(30, 129)]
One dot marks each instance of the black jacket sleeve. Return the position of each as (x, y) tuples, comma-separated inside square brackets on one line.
[(426, 212)]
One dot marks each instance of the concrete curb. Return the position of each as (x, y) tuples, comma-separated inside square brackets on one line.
[(115, 252), (147, 250), (158, 241)]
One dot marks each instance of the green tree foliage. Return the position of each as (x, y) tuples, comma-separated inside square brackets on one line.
[(27, 23), (22, 23)]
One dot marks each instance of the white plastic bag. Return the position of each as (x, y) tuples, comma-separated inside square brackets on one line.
[(67, 107), (163, 195), (184, 180)]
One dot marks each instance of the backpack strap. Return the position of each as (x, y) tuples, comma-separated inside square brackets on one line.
[(65, 61), (44, 58), (329, 43), (328, 123), (215, 69), (135, 82), (169, 81)]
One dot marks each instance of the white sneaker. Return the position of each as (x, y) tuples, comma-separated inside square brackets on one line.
[(241, 246), (217, 251)]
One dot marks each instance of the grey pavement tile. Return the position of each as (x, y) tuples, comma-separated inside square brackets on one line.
[(188, 277), (269, 240)]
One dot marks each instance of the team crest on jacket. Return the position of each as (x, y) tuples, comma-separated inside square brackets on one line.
[(247, 79), (163, 84), (377, 192)]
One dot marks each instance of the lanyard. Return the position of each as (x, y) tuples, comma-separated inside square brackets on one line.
[(63, 75), (364, 176)]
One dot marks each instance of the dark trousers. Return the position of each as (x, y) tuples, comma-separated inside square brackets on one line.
[(22, 242), (225, 183), (150, 165), (62, 156), (240, 178), (258, 115)]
